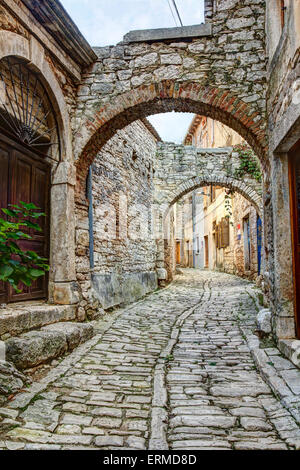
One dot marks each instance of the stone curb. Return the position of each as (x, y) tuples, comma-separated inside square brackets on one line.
[(280, 389)]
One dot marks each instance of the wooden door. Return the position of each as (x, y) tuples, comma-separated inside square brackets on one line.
[(25, 177), (178, 252), (206, 251), (4, 181), (294, 175)]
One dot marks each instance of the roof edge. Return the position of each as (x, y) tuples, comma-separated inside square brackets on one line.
[(55, 19), (151, 129)]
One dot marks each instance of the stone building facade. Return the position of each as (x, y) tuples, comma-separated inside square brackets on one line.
[(56, 57), (283, 111), (220, 71)]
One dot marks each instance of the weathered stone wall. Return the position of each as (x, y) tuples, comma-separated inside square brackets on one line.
[(283, 111), (283, 96), (220, 74), (242, 209), (124, 256)]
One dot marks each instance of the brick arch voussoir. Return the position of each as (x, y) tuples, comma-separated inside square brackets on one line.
[(220, 104)]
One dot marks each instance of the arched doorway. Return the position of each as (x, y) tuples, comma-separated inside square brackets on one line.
[(29, 142)]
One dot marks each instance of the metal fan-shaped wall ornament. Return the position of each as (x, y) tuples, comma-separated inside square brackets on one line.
[(25, 107)]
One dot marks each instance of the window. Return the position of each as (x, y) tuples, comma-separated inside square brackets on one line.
[(224, 242)]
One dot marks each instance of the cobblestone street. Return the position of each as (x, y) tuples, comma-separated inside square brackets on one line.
[(173, 371)]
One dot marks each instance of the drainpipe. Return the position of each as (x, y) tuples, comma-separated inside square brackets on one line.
[(91, 221), (194, 227)]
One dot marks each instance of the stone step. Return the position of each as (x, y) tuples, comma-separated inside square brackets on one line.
[(16, 319), (40, 346)]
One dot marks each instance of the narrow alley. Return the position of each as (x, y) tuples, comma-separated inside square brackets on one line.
[(171, 371)]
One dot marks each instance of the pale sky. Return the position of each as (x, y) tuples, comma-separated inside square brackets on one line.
[(105, 22)]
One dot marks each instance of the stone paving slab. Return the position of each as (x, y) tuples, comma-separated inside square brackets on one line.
[(172, 371)]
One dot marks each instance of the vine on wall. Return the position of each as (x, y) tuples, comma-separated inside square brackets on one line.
[(228, 205), (248, 162)]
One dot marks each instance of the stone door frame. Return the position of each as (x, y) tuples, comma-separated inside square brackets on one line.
[(62, 277)]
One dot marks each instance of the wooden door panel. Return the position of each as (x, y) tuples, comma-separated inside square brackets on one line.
[(30, 182), (4, 179), (294, 174), (20, 191), (38, 197)]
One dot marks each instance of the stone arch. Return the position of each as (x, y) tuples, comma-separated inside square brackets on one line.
[(164, 243), (62, 225), (168, 95), (229, 182), (12, 44)]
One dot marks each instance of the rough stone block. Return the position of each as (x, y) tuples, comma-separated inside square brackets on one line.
[(162, 274), (65, 293), (35, 347), (291, 349), (264, 321), (29, 317), (114, 289), (11, 380), (76, 333)]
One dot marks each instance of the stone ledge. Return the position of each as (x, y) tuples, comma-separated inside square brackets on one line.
[(113, 289), (19, 318), (41, 346), (291, 349), (166, 34)]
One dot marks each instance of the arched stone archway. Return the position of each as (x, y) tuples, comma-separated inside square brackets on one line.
[(182, 169), (12, 44), (215, 73), (165, 96), (231, 183), (62, 224)]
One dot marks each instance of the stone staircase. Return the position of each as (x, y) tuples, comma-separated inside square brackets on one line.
[(35, 334)]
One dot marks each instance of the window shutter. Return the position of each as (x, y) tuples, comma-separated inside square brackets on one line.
[(220, 234), (225, 232), (217, 236)]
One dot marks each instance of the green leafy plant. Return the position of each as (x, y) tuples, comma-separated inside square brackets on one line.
[(18, 266), (249, 163), (228, 205)]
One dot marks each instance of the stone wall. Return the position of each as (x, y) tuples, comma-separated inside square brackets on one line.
[(242, 209), (283, 111), (124, 255)]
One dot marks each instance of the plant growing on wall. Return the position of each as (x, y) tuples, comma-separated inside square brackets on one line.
[(248, 162), (228, 206), (18, 266)]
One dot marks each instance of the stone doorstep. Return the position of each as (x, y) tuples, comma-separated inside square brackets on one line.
[(18, 318), (40, 346)]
